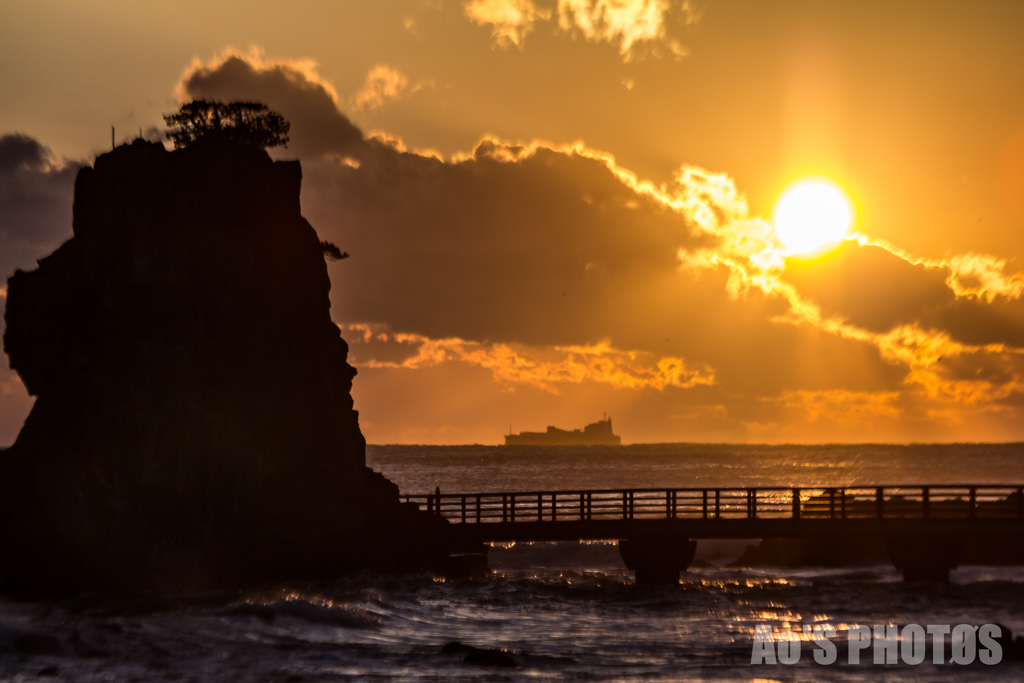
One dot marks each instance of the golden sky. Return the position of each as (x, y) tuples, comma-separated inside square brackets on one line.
[(558, 208)]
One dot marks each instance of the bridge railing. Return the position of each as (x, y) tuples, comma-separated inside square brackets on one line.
[(882, 502)]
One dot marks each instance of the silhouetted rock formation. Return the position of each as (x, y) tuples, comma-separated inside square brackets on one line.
[(193, 425)]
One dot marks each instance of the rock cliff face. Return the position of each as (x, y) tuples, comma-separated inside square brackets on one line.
[(194, 425)]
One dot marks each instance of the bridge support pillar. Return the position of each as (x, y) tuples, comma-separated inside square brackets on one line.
[(468, 563), (925, 559), (657, 560)]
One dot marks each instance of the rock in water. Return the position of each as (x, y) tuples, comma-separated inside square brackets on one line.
[(193, 425)]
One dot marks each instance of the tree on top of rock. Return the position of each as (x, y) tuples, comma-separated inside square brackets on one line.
[(249, 123)]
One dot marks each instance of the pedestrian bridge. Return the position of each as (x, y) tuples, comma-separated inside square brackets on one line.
[(924, 526)]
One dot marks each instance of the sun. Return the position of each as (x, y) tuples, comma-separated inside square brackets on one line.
[(812, 214)]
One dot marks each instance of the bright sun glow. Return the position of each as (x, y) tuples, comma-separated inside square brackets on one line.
[(812, 214)]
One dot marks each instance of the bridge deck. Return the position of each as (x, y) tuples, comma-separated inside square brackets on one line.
[(769, 512)]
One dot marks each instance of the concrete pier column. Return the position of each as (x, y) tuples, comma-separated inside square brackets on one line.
[(466, 563), (657, 560), (925, 558)]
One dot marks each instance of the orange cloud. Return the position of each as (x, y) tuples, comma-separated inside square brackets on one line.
[(623, 23), (755, 258), (969, 275), (848, 407), (510, 20), (542, 368), (635, 27), (516, 257), (383, 84), (397, 144), (984, 277)]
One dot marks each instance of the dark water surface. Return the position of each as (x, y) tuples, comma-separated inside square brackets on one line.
[(563, 611)]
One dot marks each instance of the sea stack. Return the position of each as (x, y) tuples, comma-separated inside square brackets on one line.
[(193, 426)]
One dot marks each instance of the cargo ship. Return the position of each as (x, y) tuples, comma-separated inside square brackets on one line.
[(596, 434)]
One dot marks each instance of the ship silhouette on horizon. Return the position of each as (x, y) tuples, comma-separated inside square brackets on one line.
[(596, 434)]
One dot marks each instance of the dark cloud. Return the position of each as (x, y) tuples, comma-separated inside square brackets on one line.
[(878, 291), (551, 249), (998, 369), (869, 286), (19, 152), (535, 245), (977, 321), (36, 194), (292, 89)]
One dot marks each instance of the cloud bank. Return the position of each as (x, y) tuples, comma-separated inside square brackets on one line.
[(519, 278), (547, 264)]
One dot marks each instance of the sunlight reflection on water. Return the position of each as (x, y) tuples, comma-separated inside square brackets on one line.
[(418, 469)]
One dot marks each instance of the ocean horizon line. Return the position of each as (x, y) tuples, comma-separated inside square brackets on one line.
[(761, 444)]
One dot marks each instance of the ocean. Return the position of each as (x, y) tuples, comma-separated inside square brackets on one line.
[(566, 611)]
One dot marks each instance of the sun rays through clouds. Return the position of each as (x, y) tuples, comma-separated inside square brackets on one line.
[(550, 265), (526, 268)]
